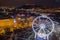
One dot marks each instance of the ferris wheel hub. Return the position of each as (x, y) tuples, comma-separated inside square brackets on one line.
[(42, 26)]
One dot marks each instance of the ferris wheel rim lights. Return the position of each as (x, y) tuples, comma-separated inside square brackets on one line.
[(43, 17)]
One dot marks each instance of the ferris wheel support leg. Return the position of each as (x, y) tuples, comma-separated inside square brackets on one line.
[(47, 37), (35, 36)]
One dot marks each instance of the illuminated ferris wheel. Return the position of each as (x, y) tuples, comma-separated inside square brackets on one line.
[(42, 27)]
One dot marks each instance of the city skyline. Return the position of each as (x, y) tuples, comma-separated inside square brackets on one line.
[(16, 3)]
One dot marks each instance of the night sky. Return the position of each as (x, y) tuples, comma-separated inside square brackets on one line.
[(22, 2)]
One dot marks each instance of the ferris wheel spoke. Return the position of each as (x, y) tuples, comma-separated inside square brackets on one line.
[(35, 24), (48, 21), (48, 30), (44, 31), (49, 26), (37, 29), (40, 20)]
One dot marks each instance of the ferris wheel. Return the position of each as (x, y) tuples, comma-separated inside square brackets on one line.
[(42, 26)]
